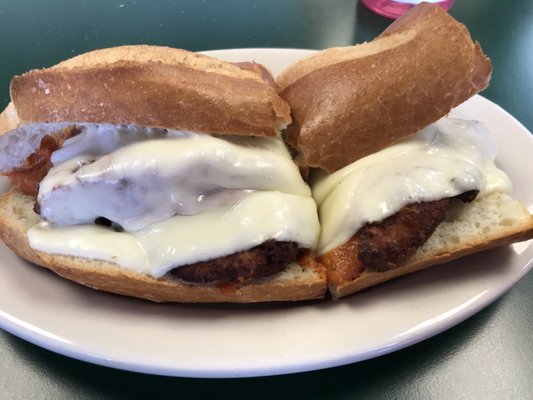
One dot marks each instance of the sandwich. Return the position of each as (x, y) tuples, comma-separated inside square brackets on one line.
[(399, 185), (158, 173)]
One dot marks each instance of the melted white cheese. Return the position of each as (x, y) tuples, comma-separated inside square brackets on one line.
[(181, 197), (150, 180), (99, 139), (443, 160), (182, 240)]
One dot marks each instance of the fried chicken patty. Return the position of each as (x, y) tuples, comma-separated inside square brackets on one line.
[(267, 259), (389, 243)]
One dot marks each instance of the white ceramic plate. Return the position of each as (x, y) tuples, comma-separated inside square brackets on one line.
[(255, 340)]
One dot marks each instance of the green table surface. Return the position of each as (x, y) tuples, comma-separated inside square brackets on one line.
[(488, 356)]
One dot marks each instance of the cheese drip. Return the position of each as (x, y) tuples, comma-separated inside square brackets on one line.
[(445, 159), (146, 181), (182, 240)]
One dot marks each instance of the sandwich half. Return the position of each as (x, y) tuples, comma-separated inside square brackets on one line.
[(158, 173), (399, 185)]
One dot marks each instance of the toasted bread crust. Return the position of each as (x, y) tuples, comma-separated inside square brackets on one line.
[(150, 94), (159, 54), (350, 102), (303, 282), (152, 86)]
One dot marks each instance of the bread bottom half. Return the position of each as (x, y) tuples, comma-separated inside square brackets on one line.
[(490, 221), (297, 282)]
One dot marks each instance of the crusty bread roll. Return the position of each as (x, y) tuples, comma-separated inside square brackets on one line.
[(155, 87), (352, 101), (138, 85)]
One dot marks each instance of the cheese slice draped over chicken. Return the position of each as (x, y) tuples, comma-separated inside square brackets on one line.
[(447, 158), (175, 199), (150, 180)]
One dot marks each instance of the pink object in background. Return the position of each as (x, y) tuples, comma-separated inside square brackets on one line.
[(395, 8)]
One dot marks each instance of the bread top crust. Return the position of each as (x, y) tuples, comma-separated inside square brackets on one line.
[(350, 102), (154, 87), (158, 54)]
